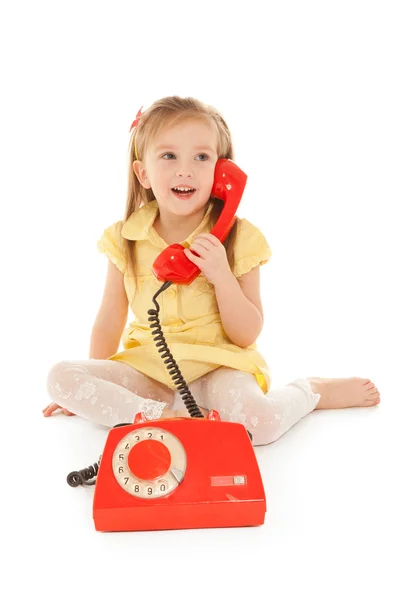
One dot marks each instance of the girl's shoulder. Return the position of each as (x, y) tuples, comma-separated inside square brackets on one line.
[(246, 227), (112, 245), (251, 248)]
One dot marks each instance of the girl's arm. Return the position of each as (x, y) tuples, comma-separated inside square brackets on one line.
[(112, 316), (240, 307)]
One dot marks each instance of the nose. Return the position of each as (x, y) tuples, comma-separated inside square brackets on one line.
[(184, 170)]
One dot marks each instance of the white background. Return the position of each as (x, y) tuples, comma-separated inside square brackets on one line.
[(311, 93)]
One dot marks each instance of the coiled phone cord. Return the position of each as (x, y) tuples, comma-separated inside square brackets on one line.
[(169, 361), (82, 477)]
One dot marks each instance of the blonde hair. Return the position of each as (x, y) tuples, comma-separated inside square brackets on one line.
[(170, 111)]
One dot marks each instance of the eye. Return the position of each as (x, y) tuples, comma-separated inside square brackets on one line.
[(203, 159)]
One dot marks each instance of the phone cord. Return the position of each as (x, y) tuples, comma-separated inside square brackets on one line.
[(169, 361), (82, 477)]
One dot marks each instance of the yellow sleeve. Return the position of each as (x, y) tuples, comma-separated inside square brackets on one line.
[(251, 248), (111, 244)]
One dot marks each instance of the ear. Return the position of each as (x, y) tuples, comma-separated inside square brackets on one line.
[(141, 173)]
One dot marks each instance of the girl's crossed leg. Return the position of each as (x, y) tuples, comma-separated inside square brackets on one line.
[(109, 392), (238, 398), (106, 392)]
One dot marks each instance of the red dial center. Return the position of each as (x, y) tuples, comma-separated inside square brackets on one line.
[(149, 459)]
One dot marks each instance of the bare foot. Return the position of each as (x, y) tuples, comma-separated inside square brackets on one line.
[(344, 393)]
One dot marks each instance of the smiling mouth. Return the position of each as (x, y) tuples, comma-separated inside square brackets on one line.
[(183, 191)]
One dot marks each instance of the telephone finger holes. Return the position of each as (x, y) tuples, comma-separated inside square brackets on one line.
[(149, 462)]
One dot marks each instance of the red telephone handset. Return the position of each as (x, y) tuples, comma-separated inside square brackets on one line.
[(229, 183)]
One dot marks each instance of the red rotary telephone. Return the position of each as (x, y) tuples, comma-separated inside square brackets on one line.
[(183, 472), (178, 474)]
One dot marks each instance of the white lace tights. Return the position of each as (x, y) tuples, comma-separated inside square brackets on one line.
[(109, 392)]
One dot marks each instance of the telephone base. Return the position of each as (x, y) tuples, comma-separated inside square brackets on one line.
[(182, 473)]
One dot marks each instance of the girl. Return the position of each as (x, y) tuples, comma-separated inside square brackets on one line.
[(211, 325)]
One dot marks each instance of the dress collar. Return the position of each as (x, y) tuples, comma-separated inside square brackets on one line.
[(139, 226)]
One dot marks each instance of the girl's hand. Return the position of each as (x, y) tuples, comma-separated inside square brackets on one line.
[(48, 411), (212, 259)]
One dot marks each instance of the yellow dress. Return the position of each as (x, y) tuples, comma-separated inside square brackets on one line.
[(189, 314)]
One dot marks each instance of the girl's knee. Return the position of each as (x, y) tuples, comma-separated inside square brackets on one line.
[(56, 370), (263, 419), (267, 434), (263, 424), (60, 372)]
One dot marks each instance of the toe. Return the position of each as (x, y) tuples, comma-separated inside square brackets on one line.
[(370, 386), (373, 397), (372, 402)]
